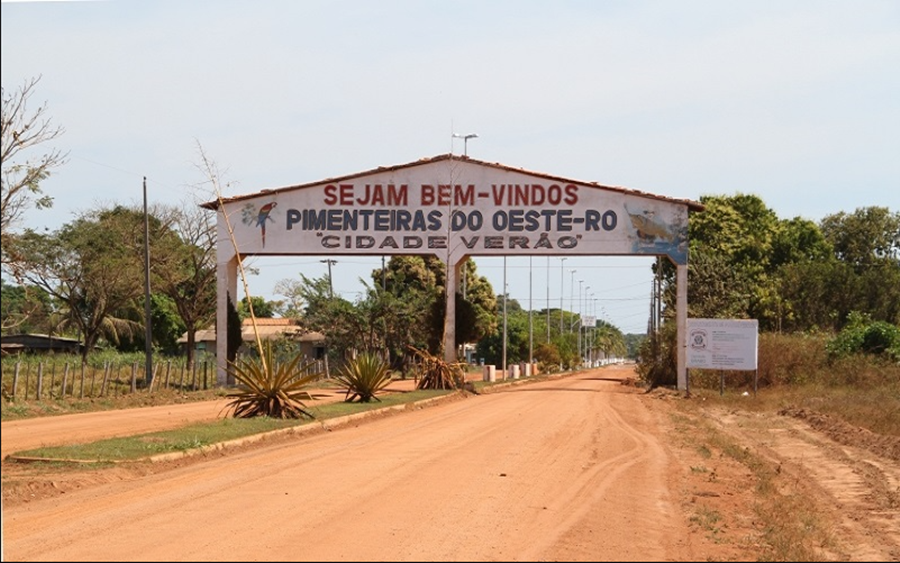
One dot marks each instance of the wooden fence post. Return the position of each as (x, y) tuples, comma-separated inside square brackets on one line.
[(16, 379), (93, 381), (155, 371), (52, 378), (104, 387), (81, 391), (40, 381), (134, 377), (65, 381)]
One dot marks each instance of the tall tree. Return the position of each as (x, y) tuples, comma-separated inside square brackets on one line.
[(92, 268), (262, 309), (184, 267), (868, 236), (22, 131)]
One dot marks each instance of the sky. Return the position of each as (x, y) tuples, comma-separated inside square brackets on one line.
[(797, 102)]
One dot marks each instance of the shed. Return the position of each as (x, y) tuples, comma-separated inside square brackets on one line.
[(311, 343), (39, 344)]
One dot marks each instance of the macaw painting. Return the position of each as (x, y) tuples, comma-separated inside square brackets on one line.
[(654, 235), (251, 217)]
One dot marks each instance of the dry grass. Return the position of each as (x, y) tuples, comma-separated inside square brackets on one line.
[(795, 373)]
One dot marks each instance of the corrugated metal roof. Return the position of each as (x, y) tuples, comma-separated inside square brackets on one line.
[(691, 204), (268, 329)]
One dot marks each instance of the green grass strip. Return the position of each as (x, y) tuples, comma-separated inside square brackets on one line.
[(142, 446)]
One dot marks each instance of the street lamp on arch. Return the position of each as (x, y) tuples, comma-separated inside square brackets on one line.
[(465, 139)]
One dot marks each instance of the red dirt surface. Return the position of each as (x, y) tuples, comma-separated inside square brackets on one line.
[(582, 467)]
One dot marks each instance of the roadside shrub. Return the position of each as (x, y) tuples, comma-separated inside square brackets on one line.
[(862, 336), (658, 365), (548, 358), (437, 373), (363, 377), (790, 359), (269, 387)]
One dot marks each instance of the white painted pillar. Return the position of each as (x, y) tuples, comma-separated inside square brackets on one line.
[(450, 317), (226, 284)]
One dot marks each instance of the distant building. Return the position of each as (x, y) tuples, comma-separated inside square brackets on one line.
[(311, 344), (39, 344)]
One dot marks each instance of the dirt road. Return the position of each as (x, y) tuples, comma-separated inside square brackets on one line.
[(575, 468)]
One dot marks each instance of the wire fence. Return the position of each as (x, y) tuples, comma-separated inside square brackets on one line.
[(59, 379)]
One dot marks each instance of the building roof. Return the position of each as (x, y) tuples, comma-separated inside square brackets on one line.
[(691, 204), (268, 329)]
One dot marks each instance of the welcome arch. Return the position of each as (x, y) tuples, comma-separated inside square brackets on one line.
[(453, 207)]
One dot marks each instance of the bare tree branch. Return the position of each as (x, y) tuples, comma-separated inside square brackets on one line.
[(23, 130)]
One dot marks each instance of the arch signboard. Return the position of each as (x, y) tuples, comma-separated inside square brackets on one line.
[(452, 207)]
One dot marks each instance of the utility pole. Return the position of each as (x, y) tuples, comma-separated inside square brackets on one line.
[(148, 330), (562, 290), (504, 317), (580, 311), (548, 300), (530, 313), (572, 293), (330, 261)]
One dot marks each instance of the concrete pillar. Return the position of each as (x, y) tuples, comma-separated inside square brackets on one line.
[(514, 371), (450, 317), (226, 285), (489, 373)]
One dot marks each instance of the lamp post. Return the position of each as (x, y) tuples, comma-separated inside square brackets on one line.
[(148, 330), (465, 139), (548, 300), (330, 262), (504, 317), (530, 316), (583, 329), (572, 293), (562, 290), (580, 356)]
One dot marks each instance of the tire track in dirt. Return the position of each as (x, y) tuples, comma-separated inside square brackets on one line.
[(861, 489)]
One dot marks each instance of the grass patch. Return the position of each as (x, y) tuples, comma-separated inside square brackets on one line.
[(709, 520), (142, 446)]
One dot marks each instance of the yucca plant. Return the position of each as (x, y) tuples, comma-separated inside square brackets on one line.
[(437, 373), (268, 387), (363, 377)]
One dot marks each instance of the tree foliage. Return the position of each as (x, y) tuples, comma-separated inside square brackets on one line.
[(25, 308), (22, 131), (184, 268), (403, 306), (90, 266), (791, 274)]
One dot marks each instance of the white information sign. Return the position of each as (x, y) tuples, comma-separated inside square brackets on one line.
[(588, 321), (727, 344)]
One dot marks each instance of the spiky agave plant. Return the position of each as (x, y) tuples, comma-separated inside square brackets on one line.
[(267, 387), (363, 377)]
